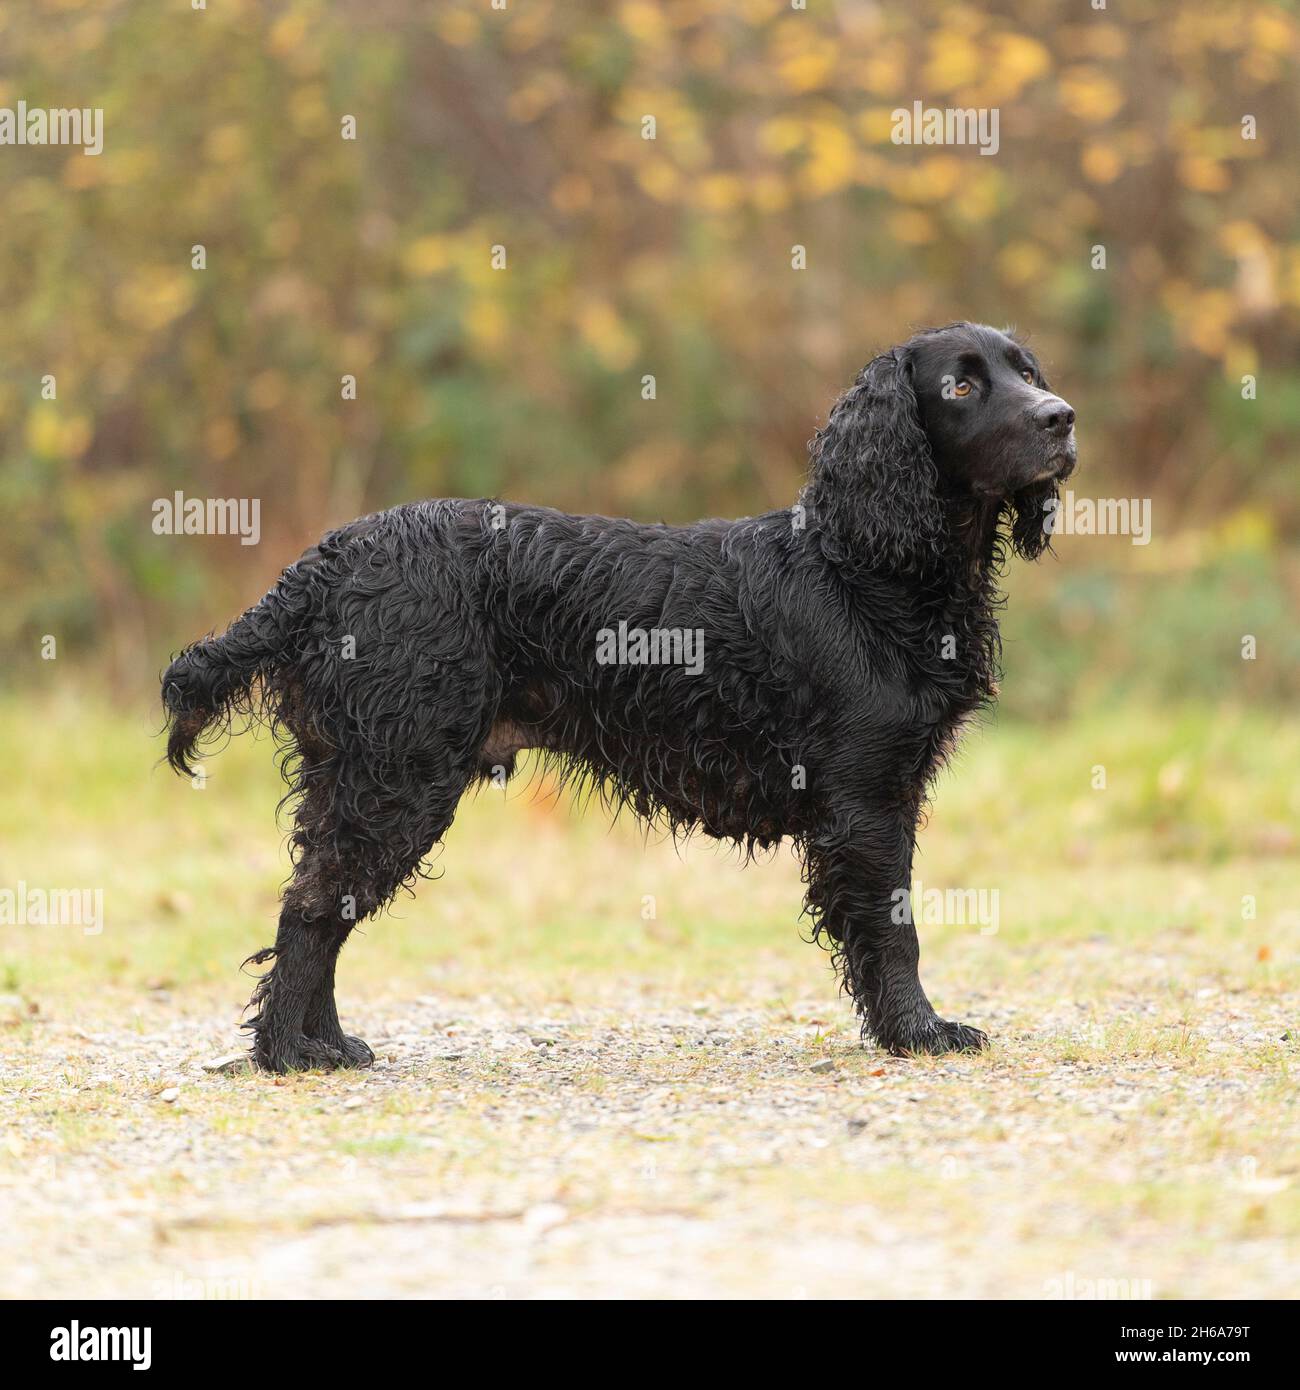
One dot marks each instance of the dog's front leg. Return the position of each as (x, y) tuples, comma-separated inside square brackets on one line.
[(859, 876)]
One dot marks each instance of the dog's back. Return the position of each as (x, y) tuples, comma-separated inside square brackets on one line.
[(662, 664)]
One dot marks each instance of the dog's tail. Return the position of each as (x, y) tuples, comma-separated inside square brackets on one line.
[(215, 676)]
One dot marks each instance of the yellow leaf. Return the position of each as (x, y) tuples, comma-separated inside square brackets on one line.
[(1088, 93), (768, 193), (954, 60), (803, 58), (935, 179), (1204, 320), (308, 111), (221, 438), (531, 99), (876, 124), (486, 323), (151, 299), (1239, 359), (781, 135), (911, 227), (1022, 263), (1290, 278), (426, 256), (571, 193), (1240, 238), (458, 27), (1273, 31), (1101, 162), (831, 165), (882, 73), (719, 192), (805, 72), (604, 333), (1017, 61), (978, 195), (1202, 174), (1102, 40), (659, 179), (81, 171), (226, 144), (44, 431), (287, 33), (1247, 528), (644, 22)]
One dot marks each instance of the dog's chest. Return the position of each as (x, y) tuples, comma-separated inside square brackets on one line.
[(945, 737), (947, 714)]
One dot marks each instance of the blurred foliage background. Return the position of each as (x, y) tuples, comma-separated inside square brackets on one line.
[(523, 128)]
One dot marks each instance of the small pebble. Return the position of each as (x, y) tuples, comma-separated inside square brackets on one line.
[(228, 1065), (825, 1065), (543, 1216)]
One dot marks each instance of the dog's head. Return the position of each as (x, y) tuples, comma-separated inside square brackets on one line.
[(956, 414)]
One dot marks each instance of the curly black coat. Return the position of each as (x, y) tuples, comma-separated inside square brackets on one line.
[(800, 674)]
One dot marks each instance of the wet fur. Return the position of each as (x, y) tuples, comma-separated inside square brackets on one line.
[(825, 704)]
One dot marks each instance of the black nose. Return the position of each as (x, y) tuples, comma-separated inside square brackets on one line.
[(1055, 415)]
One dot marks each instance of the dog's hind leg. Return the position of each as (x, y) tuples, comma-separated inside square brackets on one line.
[(321, 1026), (359, 836), (303, 955)]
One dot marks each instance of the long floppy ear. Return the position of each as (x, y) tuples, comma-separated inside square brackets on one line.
[(873, 486)]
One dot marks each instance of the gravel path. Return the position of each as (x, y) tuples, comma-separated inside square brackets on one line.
[(633, 1150)]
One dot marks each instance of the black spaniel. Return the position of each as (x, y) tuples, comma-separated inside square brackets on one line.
[(800, 674)]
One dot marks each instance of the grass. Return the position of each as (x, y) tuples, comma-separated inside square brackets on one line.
[(596, 1052)]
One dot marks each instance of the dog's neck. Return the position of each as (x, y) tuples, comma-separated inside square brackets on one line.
[(960, 599), (974, 523)]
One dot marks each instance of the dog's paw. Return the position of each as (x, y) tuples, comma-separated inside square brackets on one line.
[(356, 1053), (312, 1054), (939, 1037)]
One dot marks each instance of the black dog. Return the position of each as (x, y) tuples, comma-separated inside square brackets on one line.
[(800, 674)]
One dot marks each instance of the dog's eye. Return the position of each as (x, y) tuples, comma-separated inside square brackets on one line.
[(962, 388), (1028, 376)]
